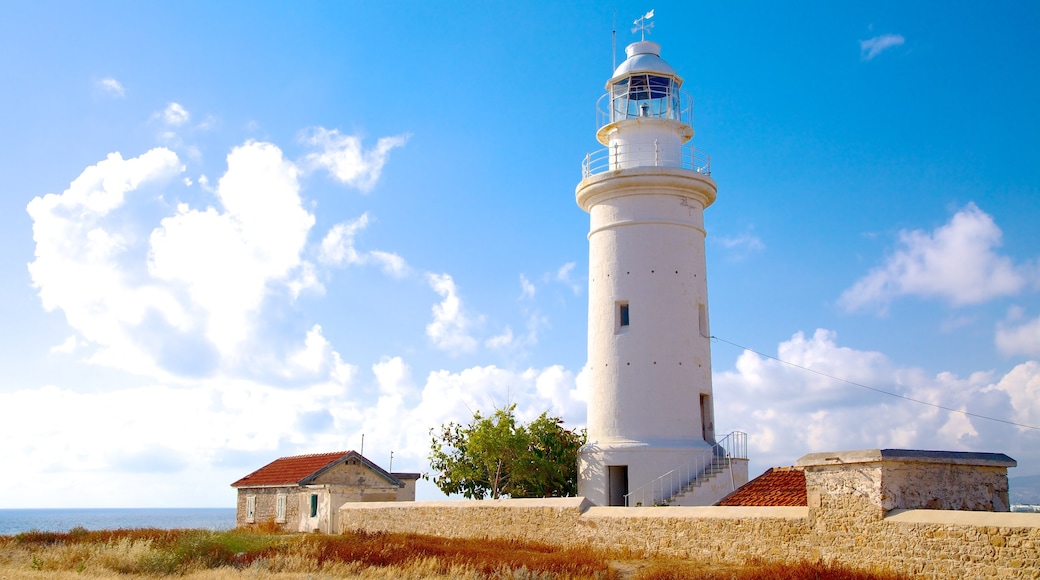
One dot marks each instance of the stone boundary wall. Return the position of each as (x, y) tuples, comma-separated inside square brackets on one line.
[(920, 543)]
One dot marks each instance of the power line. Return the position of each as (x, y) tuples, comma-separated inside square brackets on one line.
[(877, 390)]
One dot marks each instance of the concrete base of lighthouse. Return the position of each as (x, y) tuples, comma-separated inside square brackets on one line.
[(627, 472)]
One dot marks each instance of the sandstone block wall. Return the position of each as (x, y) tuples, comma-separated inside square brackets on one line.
[(929, 544), (864, 512)]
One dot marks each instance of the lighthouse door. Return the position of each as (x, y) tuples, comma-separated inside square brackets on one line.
[(617, 484)]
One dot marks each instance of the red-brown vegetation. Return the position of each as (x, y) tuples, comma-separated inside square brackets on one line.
[(207, 554)]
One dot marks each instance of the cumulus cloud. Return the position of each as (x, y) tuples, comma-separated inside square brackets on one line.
[(1022, 386), (788, 411), (226, 260), (1016, 336), (223, 429), (317, 359), (957, 262), (84, 259), (346, 160), (874, 46), (111, 87), (179, 298), (450, 329)]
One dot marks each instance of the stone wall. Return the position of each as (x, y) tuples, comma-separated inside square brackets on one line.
[(921, 543), (266, 506), (855, 517)]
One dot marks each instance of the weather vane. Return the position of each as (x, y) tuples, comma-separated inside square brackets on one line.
[(643, 26)]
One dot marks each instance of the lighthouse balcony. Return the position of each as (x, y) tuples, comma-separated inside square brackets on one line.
[(626, 156)]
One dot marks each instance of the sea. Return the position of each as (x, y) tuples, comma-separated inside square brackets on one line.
[(16, 521)]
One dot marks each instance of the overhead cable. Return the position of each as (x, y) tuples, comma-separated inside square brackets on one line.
[(877, 390)]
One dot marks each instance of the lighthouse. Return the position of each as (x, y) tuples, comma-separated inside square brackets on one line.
[(651, 419)]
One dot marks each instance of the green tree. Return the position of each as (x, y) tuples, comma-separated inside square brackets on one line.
[(550, 463), (495, 456)]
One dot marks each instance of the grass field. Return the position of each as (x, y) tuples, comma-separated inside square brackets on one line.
[(240, 554)]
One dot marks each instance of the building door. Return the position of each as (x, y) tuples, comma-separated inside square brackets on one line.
[(617, 484)]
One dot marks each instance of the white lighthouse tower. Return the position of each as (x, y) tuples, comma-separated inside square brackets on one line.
[(651, 424)]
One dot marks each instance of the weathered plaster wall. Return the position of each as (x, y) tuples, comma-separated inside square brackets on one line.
[(911, 479)]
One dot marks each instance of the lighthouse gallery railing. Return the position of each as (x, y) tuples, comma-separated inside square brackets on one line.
[(618, 157), (662, 489)]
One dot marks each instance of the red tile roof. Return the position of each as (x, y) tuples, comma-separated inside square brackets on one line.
[(779, 486), (290, 470)]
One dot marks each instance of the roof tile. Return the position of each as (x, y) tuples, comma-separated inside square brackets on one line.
[(779, 486), (290, 470)]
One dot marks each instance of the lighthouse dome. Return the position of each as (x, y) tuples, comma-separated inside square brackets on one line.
[(644, 57)]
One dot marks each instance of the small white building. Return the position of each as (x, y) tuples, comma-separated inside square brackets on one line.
[(651, 418), (304, 492)]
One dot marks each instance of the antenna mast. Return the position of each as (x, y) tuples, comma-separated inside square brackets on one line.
[(613, 44)]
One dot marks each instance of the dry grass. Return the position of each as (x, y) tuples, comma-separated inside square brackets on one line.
[(239, 554), (764, 571)]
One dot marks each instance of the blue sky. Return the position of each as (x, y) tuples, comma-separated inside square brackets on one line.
[(236, 231)]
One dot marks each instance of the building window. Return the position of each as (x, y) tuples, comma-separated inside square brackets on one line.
[(622, 315), (280, 509), (314, 505), (250, 508)]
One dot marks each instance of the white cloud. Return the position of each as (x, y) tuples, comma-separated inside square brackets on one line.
[(449, 330), (957, 262), (337, 248), (67, 346), (740, 246), (155, 443), (1022, 385), (112, 87), (503, 341), (306, 279), (346, 160), (563, 274), (875, 46), (509, 342), (789, 412), (317, 359), (1022, 338), (175, 115), (527, 289), (180, 298), (391, 264), (227, 260), (83, 264)]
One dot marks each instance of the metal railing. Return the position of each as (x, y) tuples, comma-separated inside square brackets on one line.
[(661, 490), (618, 157)]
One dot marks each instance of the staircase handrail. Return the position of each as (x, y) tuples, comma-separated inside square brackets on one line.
[(732, 446)]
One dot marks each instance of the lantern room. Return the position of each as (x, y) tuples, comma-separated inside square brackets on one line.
[(644, 86)]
